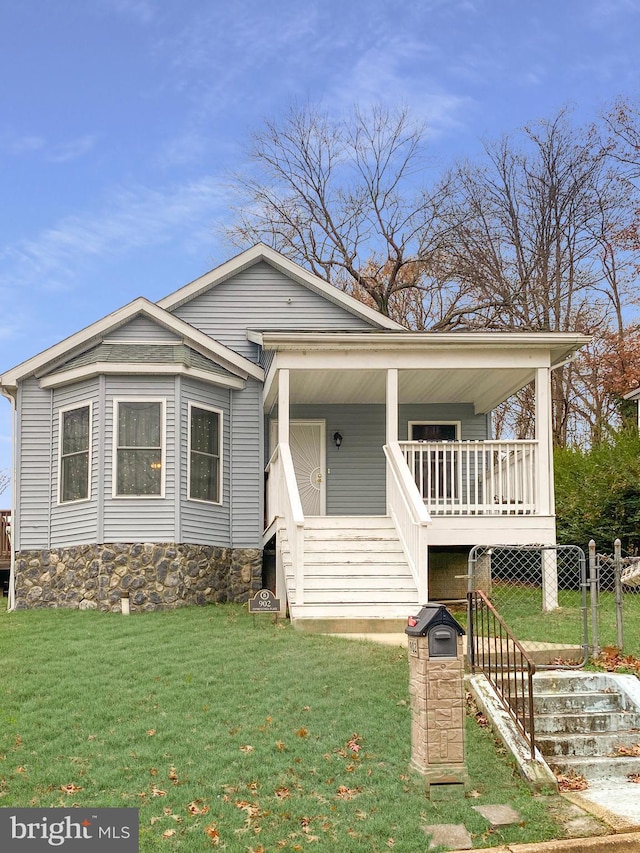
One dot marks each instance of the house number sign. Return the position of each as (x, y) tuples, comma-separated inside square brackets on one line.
[(264, 601)]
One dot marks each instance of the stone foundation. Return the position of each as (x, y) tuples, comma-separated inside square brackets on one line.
[(156, 576)]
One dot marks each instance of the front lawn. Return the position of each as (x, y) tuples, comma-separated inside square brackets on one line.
[(231, 735)]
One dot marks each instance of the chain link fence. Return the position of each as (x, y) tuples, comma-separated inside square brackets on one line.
[(617, 600), (541, 593)]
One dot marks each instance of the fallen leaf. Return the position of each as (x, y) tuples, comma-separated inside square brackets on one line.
[(634, 777), (302, 732), (246, 748), (571, 781), (214, 835), (151, 732), (195, 808), (173, 776), (345, 793), (70, 788), (283, 793), (157, 792), (168, 833), (633, 751), (21, 769)]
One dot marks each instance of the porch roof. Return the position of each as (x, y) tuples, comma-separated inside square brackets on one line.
[(482, 368)]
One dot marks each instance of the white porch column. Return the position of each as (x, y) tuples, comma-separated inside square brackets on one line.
[(543, 438), (283, 406), (392, 405)]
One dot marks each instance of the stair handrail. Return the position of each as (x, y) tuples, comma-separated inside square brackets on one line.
[(409, 515), (285, 503), (486, 629)]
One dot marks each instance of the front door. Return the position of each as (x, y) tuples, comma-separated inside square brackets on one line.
[(307, 442)]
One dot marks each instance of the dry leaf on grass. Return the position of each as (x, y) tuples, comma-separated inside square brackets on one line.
[(157, 792), (70, 788), (246, 748), (168, 833), (345, 793), (214, 835), (197, 807)]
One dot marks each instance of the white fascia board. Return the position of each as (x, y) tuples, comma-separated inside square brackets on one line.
[(96, 331), (87, 371), (261, 252), (633, 395), (559, 344)]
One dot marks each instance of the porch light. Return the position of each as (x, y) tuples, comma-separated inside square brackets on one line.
[(337, 439), (156, 466)]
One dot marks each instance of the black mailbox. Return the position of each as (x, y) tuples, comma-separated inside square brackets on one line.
[(436, 623)]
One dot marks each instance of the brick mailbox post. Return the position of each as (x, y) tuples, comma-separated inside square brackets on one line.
[(436, 670)]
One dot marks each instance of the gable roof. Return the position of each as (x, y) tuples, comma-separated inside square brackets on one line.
[(89, 337), (633, 395), (263, 253)]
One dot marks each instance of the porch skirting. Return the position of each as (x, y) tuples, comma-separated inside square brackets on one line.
[(155, 576)]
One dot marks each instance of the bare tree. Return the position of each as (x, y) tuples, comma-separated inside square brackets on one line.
[(346, 199)]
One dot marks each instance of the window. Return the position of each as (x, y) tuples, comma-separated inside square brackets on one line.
[(139, 447), (205, 434), (445, 431), (75, 441)]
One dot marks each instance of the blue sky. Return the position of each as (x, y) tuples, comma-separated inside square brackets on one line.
[(121, 121)]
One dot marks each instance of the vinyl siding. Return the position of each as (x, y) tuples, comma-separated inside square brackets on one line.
[(140, 519), (247, 464), (142, 329), (34, 427), (203, 523), (356, 473), (262, 298), (75, 523)]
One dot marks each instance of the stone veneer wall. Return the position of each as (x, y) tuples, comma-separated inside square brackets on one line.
[(156, 576)]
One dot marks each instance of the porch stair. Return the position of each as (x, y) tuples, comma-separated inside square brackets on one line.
[(587, 725), (356, 576)]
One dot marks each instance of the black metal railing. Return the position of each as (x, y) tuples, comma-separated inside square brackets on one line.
[(493, 650)]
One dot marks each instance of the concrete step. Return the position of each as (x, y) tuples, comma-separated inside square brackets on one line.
[(586, 722), (596, 767), (603, 744), (577, 702)]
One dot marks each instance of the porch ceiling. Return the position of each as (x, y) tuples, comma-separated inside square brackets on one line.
[(484, 388)]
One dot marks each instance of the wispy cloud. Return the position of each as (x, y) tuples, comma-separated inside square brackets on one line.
[(133, 219), (143, 11), (18, 145)]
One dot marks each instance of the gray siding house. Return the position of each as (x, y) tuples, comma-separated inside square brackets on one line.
[(260, 427)]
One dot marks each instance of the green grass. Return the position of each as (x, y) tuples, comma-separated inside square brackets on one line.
[(249, 723), (520, 607)]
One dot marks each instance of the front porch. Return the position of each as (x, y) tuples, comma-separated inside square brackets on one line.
[(343, 416)]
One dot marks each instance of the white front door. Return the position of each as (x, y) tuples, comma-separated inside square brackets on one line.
[(307, 442)]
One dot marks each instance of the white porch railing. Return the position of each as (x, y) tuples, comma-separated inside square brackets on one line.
[(411, 519), (475, 477), (283, 502)]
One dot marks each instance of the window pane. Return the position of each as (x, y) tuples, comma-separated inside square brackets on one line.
[(204, 477), (75, 477), (204, 431), (139, 424), (139, 472), (433, 432), (75, 430)]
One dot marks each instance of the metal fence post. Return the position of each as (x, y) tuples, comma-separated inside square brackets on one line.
[(593, 586), (617, 572)]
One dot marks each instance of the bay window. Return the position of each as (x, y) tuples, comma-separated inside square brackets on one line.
[(205, 441), (139, 448), (75, 443)]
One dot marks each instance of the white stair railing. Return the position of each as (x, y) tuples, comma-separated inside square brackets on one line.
[(283, 502), (410, 516)]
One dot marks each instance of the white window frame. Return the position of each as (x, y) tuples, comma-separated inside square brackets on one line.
[(83, 405), (163, 447), (456, 424), (192, 404)]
